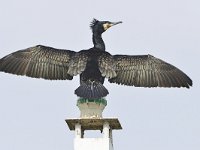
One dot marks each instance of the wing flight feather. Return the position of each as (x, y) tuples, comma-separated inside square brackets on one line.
[(147, 71), (43, 62)]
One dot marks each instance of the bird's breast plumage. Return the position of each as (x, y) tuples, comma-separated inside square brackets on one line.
[(92, 71)]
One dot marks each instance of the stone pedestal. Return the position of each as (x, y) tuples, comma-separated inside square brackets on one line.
[(90, 108)]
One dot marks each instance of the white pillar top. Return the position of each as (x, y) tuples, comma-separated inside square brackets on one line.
[(91, 108)]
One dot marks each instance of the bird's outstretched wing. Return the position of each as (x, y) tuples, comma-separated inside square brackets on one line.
[(42, 62), (148, 71), (107, 66)]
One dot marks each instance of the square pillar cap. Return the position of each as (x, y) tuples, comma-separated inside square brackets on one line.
[(94, 124)]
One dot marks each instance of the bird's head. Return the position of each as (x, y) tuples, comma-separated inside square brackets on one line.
[(101, 26)]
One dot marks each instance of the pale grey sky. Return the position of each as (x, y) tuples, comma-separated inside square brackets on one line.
[(32, 111)]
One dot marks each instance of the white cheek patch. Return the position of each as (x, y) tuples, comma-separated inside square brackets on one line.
[(106, 26)]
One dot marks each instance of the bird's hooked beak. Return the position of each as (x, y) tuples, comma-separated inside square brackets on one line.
[(115, 23), (110, 24)]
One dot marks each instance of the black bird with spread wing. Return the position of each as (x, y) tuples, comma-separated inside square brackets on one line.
[(93, 66)]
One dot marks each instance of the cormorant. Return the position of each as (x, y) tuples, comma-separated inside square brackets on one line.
[(93, 66)]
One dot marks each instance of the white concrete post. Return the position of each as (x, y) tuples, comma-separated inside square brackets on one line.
[(78, 130), (106, 130), (91, 119)]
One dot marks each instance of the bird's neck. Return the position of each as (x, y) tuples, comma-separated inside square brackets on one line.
[(98, 42)]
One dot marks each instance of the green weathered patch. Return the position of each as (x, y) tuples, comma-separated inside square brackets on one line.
[(98, 101)]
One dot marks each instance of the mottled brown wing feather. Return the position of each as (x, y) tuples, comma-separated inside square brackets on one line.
[(78, 63), (148, 71), (40, 62), (107, 65)]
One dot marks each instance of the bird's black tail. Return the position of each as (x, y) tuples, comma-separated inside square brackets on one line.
[(91, 90)]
